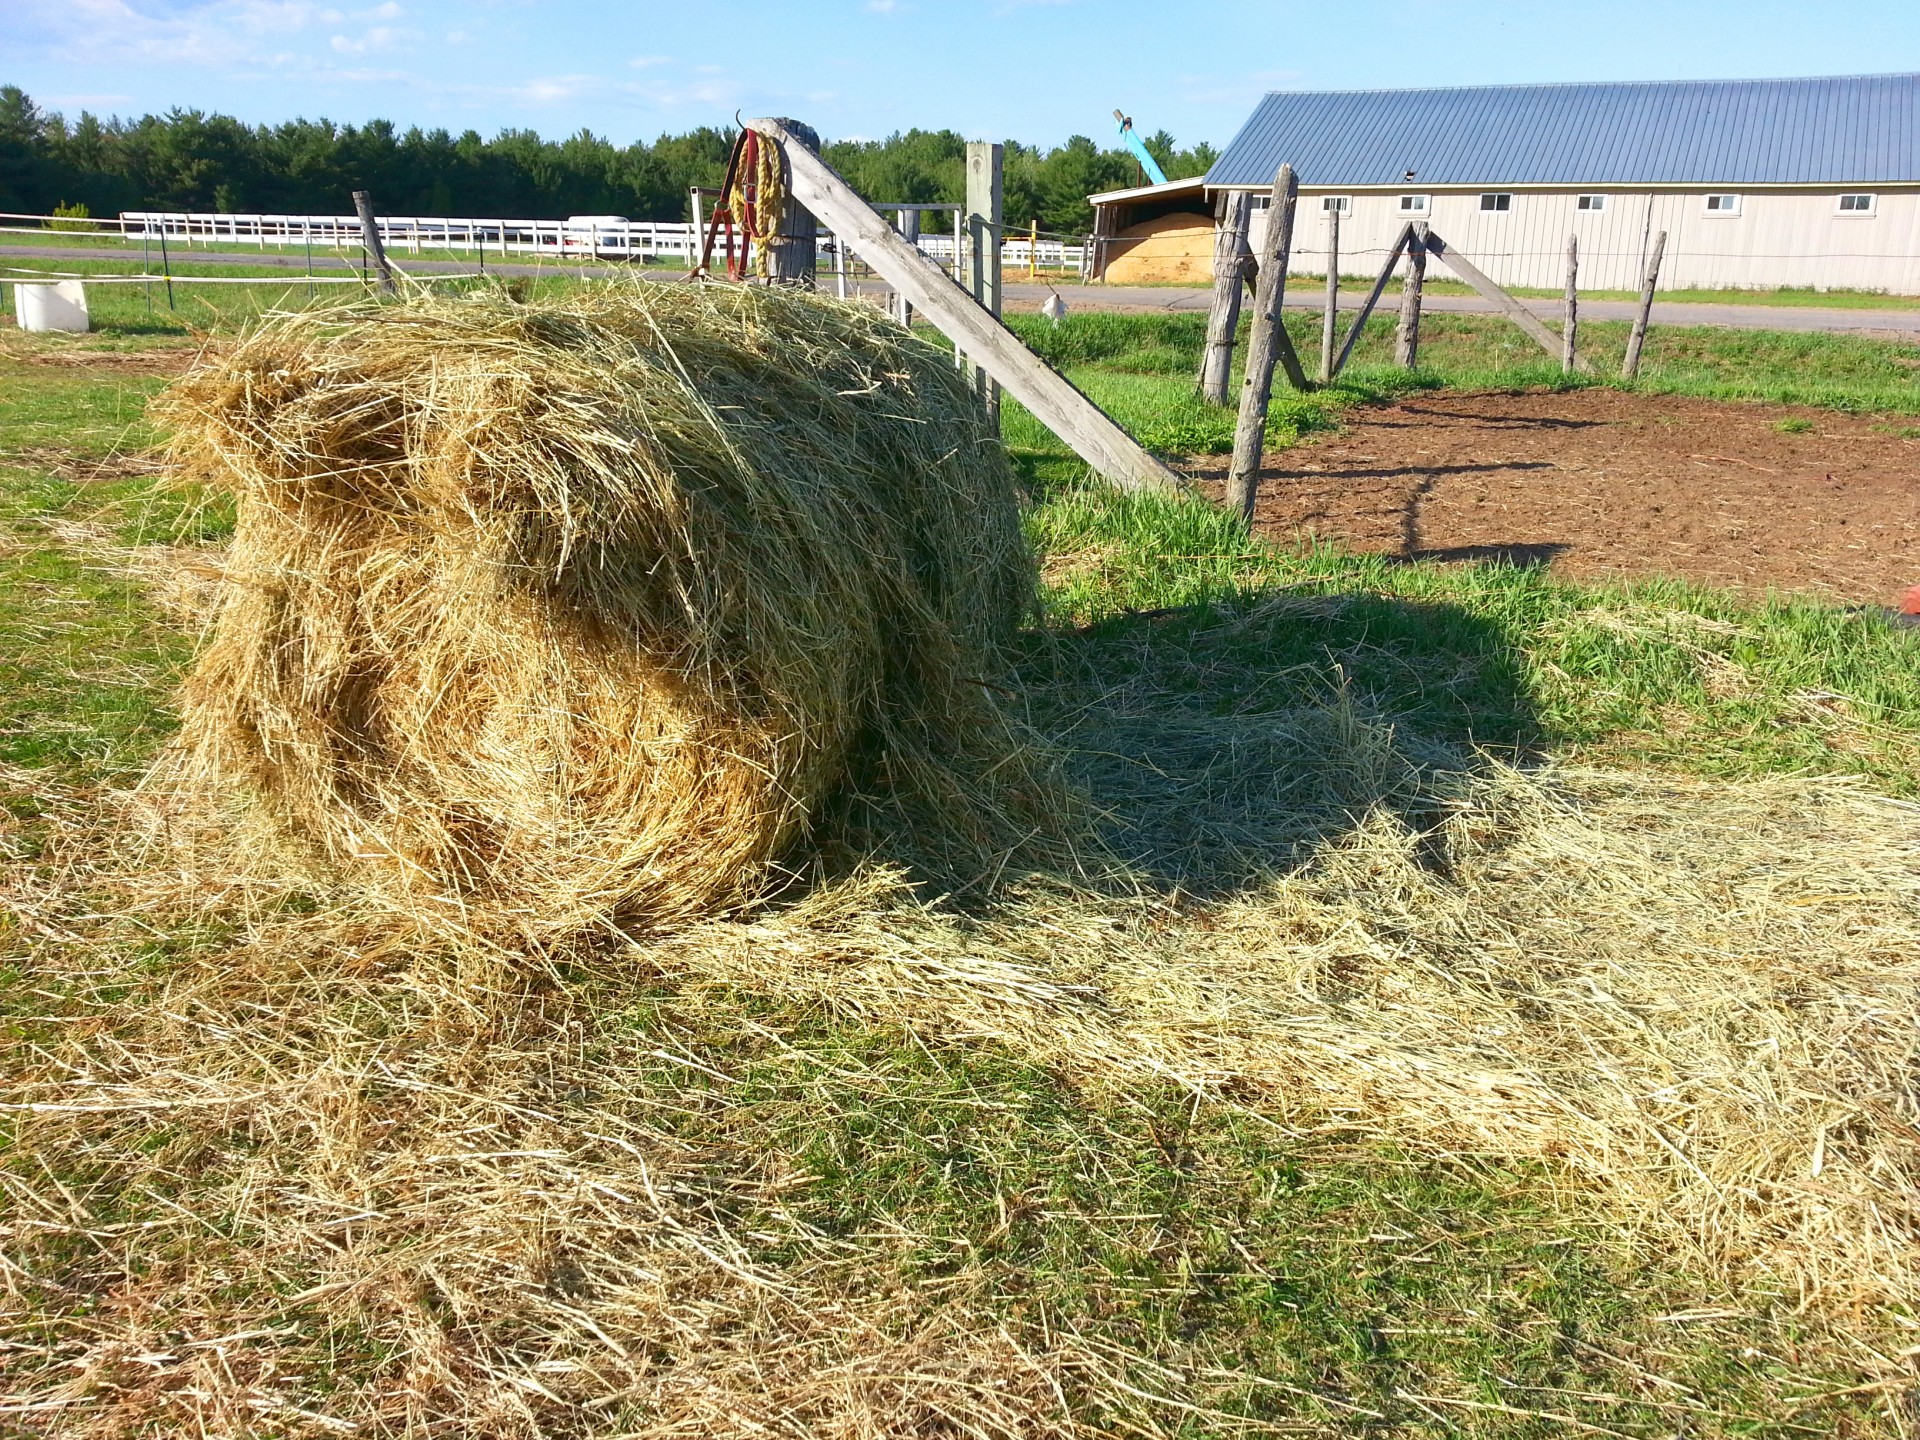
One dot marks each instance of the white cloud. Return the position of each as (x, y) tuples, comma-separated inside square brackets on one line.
[(380, 37), (649, 62)]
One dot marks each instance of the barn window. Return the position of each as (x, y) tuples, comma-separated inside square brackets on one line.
[(1413, 204), (1342, 203), (1496, 201), (1593, 202), (1856, 204), (1723, 204)]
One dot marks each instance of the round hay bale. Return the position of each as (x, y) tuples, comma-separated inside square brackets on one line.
[(549, 614)]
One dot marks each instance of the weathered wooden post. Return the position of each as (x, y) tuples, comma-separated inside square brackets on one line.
[(1330, 318), (370, 238), (1231, 258), (1406, 345), (1570, 326), (1265, 345), (984, 201), (909, 232), (793, 257), (1637, 337)]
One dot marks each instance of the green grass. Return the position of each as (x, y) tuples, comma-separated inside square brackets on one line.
[(1797, 296), (1316, 1281), (1841, 372)]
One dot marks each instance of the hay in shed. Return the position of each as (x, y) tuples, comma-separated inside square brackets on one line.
[(537, 615)]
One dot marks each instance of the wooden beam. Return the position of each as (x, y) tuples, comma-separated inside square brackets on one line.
[(370, 237), (1528, 322), (1049, 395), (1373, 297), (795, 250), (1330, 316), (985, 201), (1570, 322), (1637, 337), (1264, 344), (1231, 261), (909, 225), (1406, 345)]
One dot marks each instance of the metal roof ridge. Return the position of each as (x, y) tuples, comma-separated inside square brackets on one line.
[(1612, 84)]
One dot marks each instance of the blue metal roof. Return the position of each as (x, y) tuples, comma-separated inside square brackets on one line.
[(1844, 130)]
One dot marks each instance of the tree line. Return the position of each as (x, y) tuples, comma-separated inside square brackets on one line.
[(191, 160)]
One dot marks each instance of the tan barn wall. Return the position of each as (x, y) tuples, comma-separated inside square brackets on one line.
[(1795, 238)]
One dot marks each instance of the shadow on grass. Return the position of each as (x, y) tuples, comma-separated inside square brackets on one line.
[(1223, 743)]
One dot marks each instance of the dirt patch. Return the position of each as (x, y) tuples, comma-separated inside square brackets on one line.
[(1600, 483)]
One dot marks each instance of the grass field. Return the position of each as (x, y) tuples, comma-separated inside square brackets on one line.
[(832, 1216)]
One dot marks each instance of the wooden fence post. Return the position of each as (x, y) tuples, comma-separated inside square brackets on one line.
[(1637, 337), (1406, 345), (909, 232), (1265, 345), (984, 200), (795, 257), (1231, 257), (1570, 326), (1330, 319), (370, 237)]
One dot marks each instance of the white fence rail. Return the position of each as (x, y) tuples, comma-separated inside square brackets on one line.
[(579, 238), (417, 234)]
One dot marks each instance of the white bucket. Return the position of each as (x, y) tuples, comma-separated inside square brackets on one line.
[(52, 307)]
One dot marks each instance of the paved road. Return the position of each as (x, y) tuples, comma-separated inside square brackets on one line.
[(1135, 299)]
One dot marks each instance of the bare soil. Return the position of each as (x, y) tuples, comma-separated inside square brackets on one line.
[(1600, 483)]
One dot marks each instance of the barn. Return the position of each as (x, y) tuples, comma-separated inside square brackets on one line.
[(1809, 182)]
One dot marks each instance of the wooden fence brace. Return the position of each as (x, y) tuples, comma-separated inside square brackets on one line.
[(1505, 303), (1637, 337), (1266, 344), (1570, 325), (1231, 261), (370, 237), (1404, 239), (1406, 344), (1330, 317), (989, 344)]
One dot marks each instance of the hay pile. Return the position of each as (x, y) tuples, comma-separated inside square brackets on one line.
[(537, 615), (1700, 999)]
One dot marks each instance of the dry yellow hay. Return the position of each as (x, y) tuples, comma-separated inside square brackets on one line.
[(543, 614), (1701, 999)]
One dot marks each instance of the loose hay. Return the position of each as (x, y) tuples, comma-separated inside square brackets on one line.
[(1702, 999), (540, 615)]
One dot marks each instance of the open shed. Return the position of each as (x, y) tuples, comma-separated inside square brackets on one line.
[(1154, 234)]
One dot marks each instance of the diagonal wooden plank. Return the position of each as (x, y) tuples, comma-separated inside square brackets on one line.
[(1505, 303), (1373, 297), (1091, 433)]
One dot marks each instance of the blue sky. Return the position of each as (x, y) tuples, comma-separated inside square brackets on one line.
[(1036, 70)]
